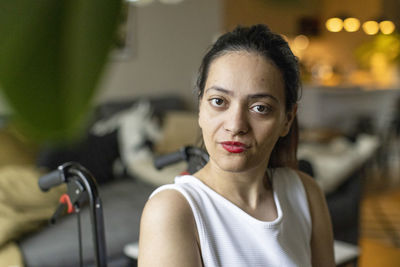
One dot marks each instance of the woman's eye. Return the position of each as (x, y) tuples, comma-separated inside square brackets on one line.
[(217, 102), (262, 109)]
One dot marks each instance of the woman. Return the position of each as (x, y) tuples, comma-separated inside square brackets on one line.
[(248, 206)]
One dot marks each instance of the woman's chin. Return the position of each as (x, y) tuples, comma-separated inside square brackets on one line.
[(238, 162), (233, 165)]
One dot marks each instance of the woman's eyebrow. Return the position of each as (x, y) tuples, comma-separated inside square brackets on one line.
[(252, 96), (220, 89), (263, 95)]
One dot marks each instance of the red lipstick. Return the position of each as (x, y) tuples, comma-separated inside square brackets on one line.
[(234, 147)]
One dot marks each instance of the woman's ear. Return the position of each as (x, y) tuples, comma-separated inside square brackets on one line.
[(289, 117)]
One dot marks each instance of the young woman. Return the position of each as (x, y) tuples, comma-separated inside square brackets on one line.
[(248, 206)]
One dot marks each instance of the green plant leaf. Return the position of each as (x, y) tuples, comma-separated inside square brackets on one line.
[(52, 53)]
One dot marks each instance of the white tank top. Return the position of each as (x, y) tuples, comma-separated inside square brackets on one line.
[(230, 237)]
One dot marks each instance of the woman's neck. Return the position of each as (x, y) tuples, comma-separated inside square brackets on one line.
[(246, 189)]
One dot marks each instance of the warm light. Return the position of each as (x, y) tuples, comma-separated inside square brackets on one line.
[(387, 27), (370, 27), (334, 24), (380, 69), (323, 73), (301, 42), (351, 24)]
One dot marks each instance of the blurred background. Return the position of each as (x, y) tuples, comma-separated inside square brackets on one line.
[(135, 89)]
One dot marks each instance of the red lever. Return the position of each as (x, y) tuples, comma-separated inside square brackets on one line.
[(64, 199)]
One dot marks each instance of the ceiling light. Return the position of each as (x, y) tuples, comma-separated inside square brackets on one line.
[(351, 24), (334, 24), (387, 26), (370, 27)]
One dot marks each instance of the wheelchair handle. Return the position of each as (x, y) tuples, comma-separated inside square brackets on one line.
[(168, 159), (52, 179)]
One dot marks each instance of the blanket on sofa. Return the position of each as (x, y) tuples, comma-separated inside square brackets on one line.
[(23, 208)]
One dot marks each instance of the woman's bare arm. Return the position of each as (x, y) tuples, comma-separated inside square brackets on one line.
[(168, 235), (322, 236)]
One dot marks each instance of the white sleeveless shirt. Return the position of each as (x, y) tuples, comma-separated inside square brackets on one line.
[(230, 237)]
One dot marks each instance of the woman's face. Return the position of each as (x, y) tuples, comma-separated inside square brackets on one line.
[(242, 111)]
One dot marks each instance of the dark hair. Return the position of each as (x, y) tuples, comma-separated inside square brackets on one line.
[(259, 39)]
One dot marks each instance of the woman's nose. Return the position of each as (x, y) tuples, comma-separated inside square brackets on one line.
[(236, 121)]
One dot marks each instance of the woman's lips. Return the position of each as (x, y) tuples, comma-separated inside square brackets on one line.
[(234, 147)]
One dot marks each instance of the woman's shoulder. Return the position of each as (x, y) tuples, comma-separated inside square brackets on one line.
[(290, 176), (310, 185), (167, 203), (168, 227), (322, 236), (167, 206)]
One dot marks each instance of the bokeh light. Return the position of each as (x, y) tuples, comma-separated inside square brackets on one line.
[(351, 24), (387, 26), (301, 42), (370, 27), (334, 24)]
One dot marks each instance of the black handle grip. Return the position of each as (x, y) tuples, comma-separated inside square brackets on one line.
[(168, 159), (50, 180)]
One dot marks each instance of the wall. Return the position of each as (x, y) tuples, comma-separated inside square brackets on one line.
[(334, 49), (168, 44), (280, 16)]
